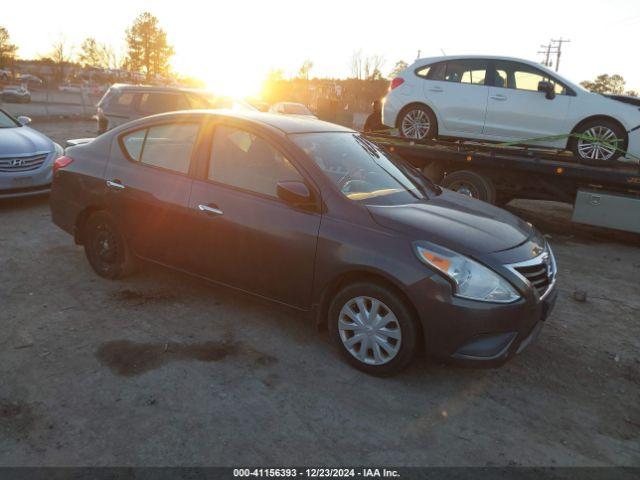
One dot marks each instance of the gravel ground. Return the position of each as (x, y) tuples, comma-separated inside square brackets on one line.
[(164, 369)]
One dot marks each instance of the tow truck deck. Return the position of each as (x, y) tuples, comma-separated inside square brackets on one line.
[(603, 194)]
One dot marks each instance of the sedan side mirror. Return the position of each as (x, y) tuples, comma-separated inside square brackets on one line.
[(22, 120), (548, 88), (296, 194)]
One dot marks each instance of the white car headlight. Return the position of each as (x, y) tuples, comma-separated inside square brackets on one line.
[(58, 149), (471, 279)]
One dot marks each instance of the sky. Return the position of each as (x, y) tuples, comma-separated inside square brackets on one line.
[(233, 44)]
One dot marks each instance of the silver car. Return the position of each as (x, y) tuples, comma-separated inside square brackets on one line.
[(26, 158), (124, 103)]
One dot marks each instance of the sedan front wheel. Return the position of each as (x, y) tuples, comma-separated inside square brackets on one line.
[(598, 140), (374, 328)]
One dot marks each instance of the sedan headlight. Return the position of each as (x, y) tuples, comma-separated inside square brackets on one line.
[(470, 279)]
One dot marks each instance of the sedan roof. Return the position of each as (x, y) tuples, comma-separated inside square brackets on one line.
[(286, 124)]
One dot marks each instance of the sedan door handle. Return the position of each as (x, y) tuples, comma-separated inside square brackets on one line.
[(115, 184), (499, 97), (436, 89), (210, 209)]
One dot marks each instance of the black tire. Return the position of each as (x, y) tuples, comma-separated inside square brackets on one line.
[(421, 112), (404, 317), (106, 248), (582, 151), (472, 184)]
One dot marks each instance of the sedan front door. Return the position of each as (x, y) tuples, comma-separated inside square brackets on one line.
[(245, 236), (518, 111)]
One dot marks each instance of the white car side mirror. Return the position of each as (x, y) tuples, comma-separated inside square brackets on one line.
[(23, 120)]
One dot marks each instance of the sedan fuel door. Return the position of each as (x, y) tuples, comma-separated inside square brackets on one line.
[(525, 102), (456, 90)]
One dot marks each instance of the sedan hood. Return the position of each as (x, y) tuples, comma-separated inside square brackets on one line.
[(457, 222), (23, 141)]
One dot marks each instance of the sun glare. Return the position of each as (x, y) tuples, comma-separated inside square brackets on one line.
[(235, 84)]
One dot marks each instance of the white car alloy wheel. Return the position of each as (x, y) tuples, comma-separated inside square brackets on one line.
[(369, 330), (416, 124), (601, 146)]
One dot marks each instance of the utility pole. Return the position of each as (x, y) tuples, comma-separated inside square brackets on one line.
[(546, 51), (558, 46)]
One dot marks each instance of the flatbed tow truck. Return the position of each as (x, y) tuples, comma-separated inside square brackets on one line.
[(603, 194)]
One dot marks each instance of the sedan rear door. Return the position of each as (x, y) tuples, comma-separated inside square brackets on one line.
[(149, 184), (456, 90)]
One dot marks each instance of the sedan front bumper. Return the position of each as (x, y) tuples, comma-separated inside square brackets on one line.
[(478, 334)]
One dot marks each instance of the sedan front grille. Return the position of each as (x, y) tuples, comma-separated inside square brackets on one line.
[(22, 164), (539, 272), (537, 275)]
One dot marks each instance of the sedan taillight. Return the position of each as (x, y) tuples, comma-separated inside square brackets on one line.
[(395, 83), (61, 162)]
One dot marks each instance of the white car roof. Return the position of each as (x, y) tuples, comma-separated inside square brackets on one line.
[(430, 60)]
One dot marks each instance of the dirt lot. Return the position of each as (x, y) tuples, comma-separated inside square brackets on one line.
[(163, 369)]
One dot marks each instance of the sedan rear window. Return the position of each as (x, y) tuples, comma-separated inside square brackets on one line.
[(167, 146)]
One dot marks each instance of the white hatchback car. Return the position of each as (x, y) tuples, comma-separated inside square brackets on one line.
[(503, 99)]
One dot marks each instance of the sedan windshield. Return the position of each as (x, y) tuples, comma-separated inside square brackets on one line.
[(7, 121), (362, 171)]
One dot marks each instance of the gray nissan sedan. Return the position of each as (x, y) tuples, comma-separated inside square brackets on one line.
[(26, 158), (317, 217)]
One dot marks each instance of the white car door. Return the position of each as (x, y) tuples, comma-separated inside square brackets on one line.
[(456, 90), (516, 110)]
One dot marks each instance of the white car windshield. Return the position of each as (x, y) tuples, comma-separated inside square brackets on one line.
[(7, 121), (362, 171), (296, 109)]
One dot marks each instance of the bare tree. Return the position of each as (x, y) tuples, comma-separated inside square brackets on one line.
[(372, 66), (60, 54), (7, 49), (306, 67), (356, 65)]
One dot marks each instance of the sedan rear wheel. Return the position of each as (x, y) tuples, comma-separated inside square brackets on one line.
[(375, 330), (418, 122), (106, 248)]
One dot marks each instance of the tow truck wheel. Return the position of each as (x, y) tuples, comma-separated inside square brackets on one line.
[(597, 141), (471, 184)]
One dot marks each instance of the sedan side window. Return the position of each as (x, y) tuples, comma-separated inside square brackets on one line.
[(166, 146), (244, 160), (466, 71), (152, 103), (525, 77)]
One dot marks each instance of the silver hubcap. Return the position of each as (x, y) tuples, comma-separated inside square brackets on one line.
[(369, 330), (416, 124), (602, 145)]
